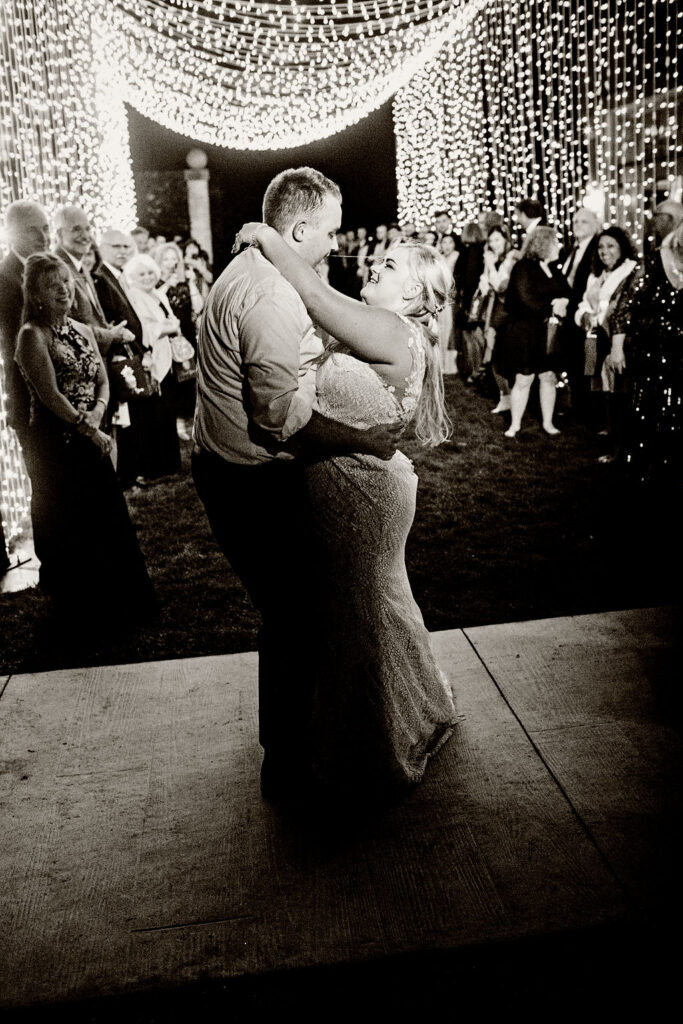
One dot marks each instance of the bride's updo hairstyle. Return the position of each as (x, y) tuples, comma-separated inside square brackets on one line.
[(430, 270)]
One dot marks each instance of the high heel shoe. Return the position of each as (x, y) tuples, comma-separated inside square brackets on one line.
[(551, 431), (510, 433)]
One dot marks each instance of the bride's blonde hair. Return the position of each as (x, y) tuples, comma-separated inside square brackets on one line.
[(430, 270)]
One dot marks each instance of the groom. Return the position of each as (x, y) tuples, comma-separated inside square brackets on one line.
[(254, 426)]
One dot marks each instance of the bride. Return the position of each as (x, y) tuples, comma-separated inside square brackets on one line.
[(382, 707)]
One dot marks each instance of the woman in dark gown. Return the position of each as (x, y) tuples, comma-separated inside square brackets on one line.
[(91, 563), (653, 362)]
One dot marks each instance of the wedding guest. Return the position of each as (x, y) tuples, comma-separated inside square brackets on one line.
[(199, 274), (160, 451), (393, 233), (536, 291), (27, 230), (529, 214), (653, 360), (578, 262), (600, 315), (499, 259), (116, 248), (74, 238), (91, 259), (78, 510), (173, 283), (430, 238), (447, 344), (362, 253), (377, 246), (443, 225), (469, 314), (140, 236), (666, 218)]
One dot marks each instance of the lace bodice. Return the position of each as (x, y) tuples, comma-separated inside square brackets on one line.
[(352, 392)]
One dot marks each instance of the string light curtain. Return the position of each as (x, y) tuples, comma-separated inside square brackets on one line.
[(253, 75), (52, 127), (571, 101)]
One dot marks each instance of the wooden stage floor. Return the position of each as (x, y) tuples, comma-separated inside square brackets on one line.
[(143, 876)]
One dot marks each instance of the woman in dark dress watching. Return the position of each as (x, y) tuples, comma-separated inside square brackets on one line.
[(536, 292), (80, 518)]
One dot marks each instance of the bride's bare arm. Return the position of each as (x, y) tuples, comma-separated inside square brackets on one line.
[(371, 333)]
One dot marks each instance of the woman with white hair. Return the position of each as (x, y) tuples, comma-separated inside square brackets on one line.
[(159, 448)]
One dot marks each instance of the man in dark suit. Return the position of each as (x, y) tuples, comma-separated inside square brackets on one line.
[(577, 263), (28, 231), (116, 248), (74, 236)]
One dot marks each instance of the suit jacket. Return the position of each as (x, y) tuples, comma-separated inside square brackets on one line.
[(117, 306), (581, 276), (11, 305), (83, 308)]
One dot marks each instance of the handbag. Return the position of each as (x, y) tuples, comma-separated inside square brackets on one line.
[(184, 361), (127, 376)]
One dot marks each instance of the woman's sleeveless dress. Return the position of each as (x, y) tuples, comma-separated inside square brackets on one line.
[(381, 704), (91, 564)]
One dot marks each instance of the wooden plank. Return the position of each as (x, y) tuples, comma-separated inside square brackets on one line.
[(487, 848), (65, 911), (214, 853), (589, 691)]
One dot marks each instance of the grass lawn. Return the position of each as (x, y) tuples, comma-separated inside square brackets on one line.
[(505, 530)]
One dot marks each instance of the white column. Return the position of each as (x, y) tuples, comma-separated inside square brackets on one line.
[(197, 183)]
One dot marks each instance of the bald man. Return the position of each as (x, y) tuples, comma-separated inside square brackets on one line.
[(74, 236), (28, 231)]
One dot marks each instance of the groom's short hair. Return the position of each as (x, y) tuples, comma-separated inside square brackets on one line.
[(294, 193)]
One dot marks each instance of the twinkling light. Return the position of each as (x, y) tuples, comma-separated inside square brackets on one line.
[(252, 75), (54, 123), (15, 489), (546, 100)]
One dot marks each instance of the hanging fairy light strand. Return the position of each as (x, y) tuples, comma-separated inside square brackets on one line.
[(579, 99), (269, 76)]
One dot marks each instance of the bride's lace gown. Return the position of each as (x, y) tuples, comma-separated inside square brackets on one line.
[(382, 706)]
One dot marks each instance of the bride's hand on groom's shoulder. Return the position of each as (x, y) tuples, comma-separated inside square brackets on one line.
[(247, 234), (383, 440)]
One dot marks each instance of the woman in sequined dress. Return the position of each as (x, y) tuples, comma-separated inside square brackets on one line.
[(381, 707), (653, 359), (90, 561)]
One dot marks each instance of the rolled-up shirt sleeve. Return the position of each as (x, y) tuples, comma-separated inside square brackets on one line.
[(270, 333)]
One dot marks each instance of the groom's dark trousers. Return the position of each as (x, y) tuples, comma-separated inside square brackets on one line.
[(258, 515)]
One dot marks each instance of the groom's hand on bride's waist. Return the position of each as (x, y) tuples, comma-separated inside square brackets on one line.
[(322, 436), (383, 440)]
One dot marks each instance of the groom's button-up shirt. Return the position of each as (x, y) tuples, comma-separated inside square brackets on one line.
[(256, 352)]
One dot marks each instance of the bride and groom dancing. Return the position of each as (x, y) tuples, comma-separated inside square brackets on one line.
[(296, 464)]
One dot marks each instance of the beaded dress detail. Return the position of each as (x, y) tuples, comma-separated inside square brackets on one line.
[(381, 704), (75, 365), (654, 364)]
